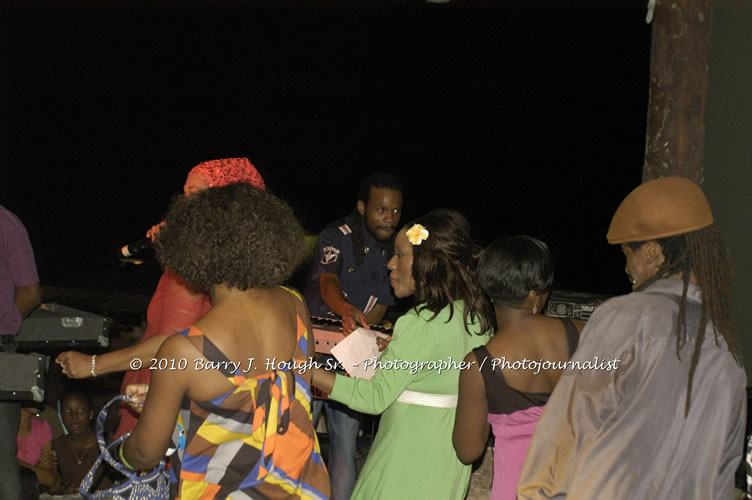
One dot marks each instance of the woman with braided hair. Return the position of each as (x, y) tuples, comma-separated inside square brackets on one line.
[(667, 421), (700, 257)]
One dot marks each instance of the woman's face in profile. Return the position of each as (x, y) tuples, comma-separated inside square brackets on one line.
[(401, 267)]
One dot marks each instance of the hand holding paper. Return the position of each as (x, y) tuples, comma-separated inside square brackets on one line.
[(352, 352)]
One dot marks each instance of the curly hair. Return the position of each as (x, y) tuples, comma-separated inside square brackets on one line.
[(236, 235), (705, 253), (444, 269), (509, 268)]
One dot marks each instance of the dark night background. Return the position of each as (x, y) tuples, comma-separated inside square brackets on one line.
[(527, 116)]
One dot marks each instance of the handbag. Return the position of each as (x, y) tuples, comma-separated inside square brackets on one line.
[(153, 485)]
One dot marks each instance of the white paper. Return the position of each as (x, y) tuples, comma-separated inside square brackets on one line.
[(358, 351)]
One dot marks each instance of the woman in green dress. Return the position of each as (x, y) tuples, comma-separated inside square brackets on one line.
[(415, 385)]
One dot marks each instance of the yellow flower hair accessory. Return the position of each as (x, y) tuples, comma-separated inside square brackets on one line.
[(417, 234)]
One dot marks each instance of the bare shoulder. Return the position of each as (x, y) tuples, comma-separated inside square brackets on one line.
[(471, 357), (297, 303), (535, 337), (471, 370), (177, 346), (547, 324), (282, 296)]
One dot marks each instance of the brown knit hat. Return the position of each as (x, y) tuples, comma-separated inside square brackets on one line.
[(660, 208)]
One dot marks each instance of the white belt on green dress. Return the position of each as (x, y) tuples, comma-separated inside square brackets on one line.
[(426, 399)]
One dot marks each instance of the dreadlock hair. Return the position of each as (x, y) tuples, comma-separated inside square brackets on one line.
[(705, 253), (444, 269), (375, 180)]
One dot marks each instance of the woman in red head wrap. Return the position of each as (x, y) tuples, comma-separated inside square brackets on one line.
[(174, 305), (217, 173)]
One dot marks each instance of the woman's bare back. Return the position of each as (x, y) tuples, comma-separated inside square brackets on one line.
[(534, 338)]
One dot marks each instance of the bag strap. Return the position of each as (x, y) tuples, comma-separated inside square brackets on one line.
[(103, 416), (106, 454), (88, 479)]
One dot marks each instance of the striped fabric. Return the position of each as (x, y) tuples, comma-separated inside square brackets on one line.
[(256, 441), (371, 302), (345, 229)]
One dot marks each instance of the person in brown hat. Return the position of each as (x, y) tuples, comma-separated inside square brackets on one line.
[(669, 421)]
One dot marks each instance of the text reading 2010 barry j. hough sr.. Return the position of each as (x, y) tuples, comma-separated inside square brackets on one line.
[(374, 363), (269, 364)]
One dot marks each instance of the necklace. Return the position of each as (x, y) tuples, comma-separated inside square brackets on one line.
[(79, 459)]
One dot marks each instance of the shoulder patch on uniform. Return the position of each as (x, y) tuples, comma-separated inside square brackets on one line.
[(329, 255), (345, 229)]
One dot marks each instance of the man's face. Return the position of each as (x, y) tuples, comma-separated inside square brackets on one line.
[(382, 212), (642, 263)]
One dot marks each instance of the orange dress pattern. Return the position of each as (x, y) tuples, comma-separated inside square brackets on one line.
[(255, 441)]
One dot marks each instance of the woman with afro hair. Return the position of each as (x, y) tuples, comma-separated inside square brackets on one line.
[(174, 306), (231, 380)]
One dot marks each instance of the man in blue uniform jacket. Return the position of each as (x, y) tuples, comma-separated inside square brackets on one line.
[(349, 280)]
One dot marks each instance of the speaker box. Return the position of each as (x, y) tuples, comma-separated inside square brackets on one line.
[(23, 376), (53, 325), (575, 305)]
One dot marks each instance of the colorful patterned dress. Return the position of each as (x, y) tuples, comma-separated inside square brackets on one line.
[(255, 441)]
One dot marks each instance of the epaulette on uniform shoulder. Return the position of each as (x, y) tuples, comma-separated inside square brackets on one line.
[(345, 229)]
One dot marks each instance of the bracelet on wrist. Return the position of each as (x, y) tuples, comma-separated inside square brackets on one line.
[(122, 457), (94, 365)]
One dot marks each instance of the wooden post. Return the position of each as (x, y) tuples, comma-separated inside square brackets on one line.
[(678, 89)]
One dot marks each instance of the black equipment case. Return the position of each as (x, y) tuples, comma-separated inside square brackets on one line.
[(53, 325), (22, 376)]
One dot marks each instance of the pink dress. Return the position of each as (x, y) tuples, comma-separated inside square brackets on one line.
[(30, 447), (512, 435), (513, 416)]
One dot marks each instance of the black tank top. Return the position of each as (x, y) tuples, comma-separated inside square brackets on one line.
[(502, 399)]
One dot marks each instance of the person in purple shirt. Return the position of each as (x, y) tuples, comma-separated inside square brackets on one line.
[(19, 295)]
